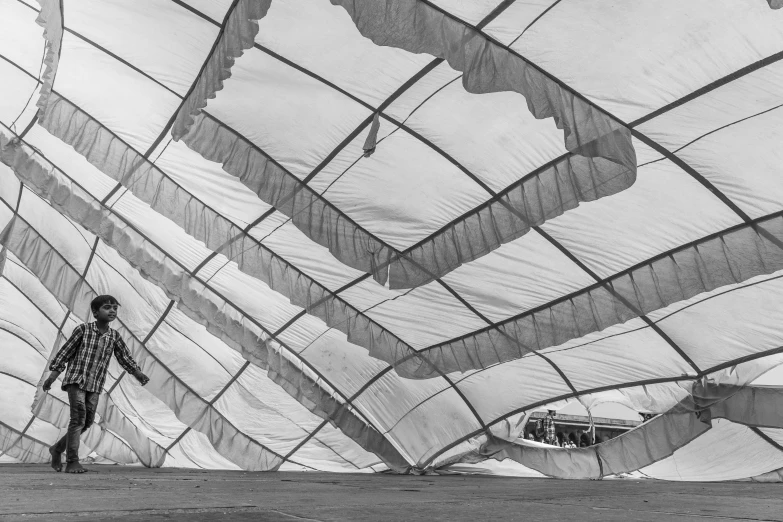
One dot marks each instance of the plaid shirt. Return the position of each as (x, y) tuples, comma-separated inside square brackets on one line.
[(88, 353), (549, 430)]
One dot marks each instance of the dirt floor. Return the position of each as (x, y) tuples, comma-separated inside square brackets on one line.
[(33, 492)]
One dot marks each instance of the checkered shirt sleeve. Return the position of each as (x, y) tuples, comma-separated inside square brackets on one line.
[(122, 353), (68, 350)]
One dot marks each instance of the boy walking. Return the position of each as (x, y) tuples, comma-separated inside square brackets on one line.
[(87, 353)]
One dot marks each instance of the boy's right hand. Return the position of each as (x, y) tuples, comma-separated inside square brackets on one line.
[(47, 385), (143, 379)]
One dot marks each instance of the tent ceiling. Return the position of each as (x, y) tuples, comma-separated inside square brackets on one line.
[(351, 235)]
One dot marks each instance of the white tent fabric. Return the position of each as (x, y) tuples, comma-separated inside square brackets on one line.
[(359, 236)]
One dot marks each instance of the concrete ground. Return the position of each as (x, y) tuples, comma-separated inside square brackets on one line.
[(35, 492)]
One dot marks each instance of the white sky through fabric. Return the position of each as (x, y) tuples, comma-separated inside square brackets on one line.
[(359, 236)]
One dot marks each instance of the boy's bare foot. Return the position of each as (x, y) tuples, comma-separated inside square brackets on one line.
[(57, 460), (74, 467)]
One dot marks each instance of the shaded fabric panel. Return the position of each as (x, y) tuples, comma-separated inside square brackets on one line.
[(330, 439), (155, 265), (51, 19), (690, 406), (306, 390), (753, 407), (25, 339), (148, 452), (194, 298), (22, 447), (195, 451), (748, 405), (200, 415), (771, 476), (418, 27), (238, 34), (468, 452), (314, 394), (108, 445), (654, 440), (553, 462), (312, 214), (729, 451), (662, 397), (649, 442), (731, 257), (117, 160), (630, 451), (150, 184), (528, 202)]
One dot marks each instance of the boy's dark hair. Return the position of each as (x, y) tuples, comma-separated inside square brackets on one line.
[(102, 300)]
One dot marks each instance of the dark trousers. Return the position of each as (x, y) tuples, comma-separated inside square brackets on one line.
[(83, 405)]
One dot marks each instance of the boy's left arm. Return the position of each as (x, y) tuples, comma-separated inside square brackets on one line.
[(66, 353), (122, 353)]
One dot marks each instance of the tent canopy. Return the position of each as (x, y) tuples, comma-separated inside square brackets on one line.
[(368, 235)]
